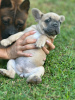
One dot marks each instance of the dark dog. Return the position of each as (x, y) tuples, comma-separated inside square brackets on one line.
[(13, 17)]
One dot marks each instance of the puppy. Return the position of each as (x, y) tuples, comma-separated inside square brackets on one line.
[(32, 67), (13, 16)]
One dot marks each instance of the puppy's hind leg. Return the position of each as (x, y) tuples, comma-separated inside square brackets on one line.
[(10, 72), (35, 75)]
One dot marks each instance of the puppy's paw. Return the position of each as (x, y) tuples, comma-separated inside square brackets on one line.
[(34, 80), (7, 73), (5, 42), (40, 43), (2, 73)]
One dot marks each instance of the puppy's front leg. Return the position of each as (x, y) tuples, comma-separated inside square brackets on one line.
[(11, 39), (41, 41)]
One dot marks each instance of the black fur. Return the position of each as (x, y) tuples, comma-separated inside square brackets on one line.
[(6, 4)]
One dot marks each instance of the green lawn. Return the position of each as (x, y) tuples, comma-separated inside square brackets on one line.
[(58, 83)]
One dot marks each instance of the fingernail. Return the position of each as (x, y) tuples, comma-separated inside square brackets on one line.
[(44, 59), (48, 41), (34, 31), (31, 55)]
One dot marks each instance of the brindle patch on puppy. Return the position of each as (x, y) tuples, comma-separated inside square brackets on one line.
[(14, 14), (32, 67)]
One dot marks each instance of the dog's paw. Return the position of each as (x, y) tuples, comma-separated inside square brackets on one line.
[(5, 42), (34, 80), (7, 73), (40, 44)]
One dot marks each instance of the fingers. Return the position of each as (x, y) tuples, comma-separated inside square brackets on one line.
[(51, 46), (45, 50), (29, 41), (20, 50), (27, 34), (27, 47), (24, 41), (52, 40), (21, 54), (20, 45)]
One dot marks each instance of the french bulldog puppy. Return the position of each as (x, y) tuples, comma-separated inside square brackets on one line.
[(32, 67)]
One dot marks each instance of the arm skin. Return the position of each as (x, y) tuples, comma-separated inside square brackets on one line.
[(3, 54)]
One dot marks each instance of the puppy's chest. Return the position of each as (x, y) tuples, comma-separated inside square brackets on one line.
[(34, 36)]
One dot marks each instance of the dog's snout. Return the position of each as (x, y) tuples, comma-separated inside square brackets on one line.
[(55, 24), (11, 31)]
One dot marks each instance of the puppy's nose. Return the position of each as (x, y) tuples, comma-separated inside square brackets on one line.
[(55, 24)]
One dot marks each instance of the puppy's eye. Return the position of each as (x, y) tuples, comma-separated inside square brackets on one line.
[(47, 20), (60, 23)]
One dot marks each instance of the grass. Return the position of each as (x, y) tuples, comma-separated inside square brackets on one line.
[(58, 83)]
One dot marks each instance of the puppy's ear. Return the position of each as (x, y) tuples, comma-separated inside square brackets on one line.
[(25, 5), (37, 14), (6, 4), (62, 18)]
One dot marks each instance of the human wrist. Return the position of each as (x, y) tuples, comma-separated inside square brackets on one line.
[(7, 50), (9, 53), (3, 54)]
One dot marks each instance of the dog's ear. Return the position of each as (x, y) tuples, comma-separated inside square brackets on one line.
[(6, 4), (62, 18), (37, 14), (25, 5)]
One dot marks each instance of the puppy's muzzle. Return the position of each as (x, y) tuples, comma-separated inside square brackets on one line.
[(55, 24), (52, 29)]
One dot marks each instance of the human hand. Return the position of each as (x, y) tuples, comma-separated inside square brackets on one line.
[(22, 44), (51, 46)]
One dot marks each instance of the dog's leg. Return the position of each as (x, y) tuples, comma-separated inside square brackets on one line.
[(10, 72), (41, 41), (35, 75), (11, 39)]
